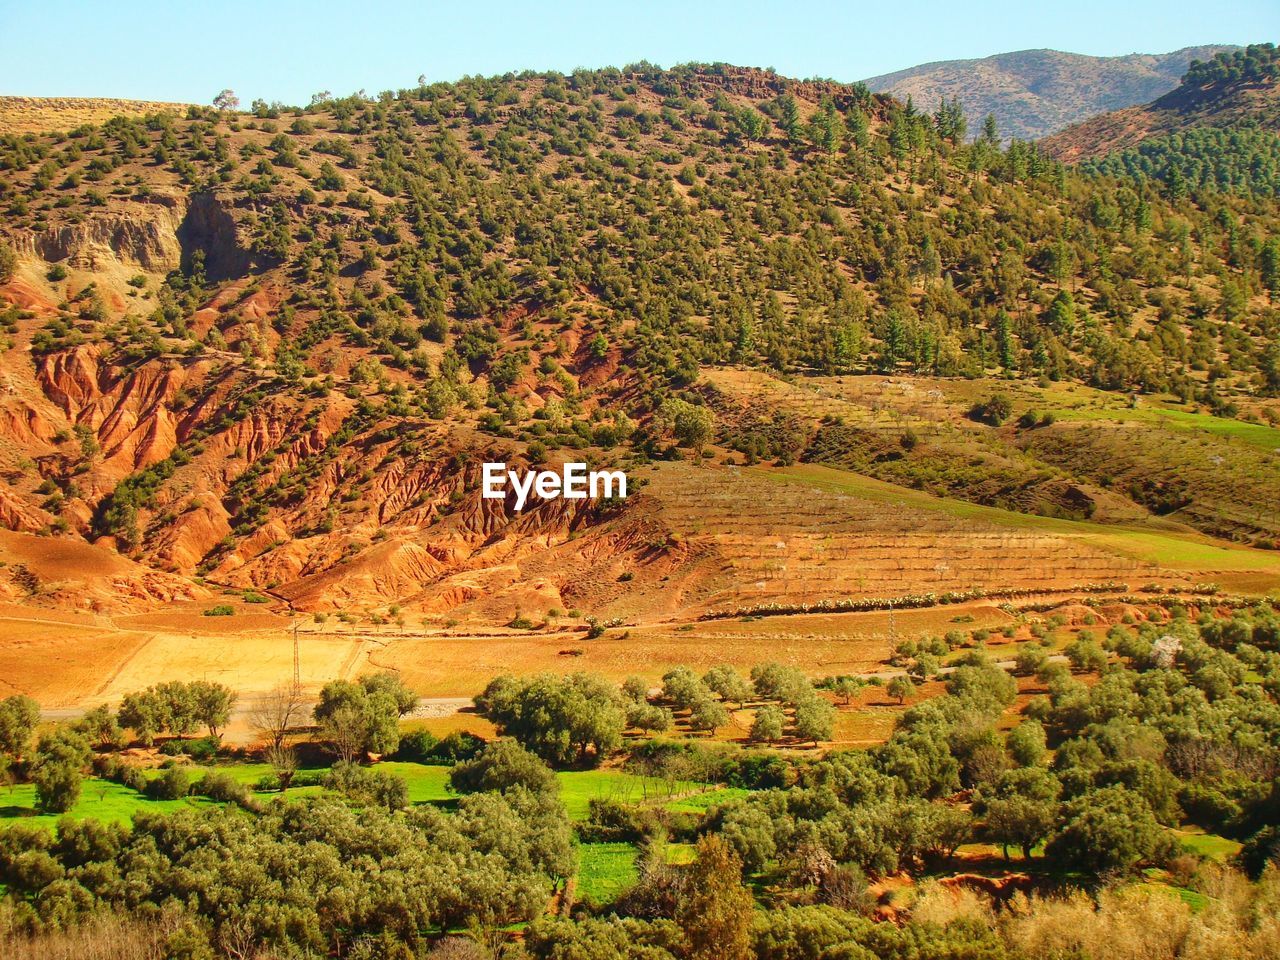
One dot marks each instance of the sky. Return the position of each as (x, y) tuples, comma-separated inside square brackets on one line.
[(186, 51)]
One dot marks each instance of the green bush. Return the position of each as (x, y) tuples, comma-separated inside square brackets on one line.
[(172, 784)]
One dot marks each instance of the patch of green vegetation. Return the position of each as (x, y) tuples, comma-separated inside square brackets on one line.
[(605, 870), (579, 787), (99, 799), (703, 801), (1208, 845), (1187, 551), (427, 784)]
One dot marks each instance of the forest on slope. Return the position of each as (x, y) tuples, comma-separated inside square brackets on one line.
[(1235, 93), (234, 331)]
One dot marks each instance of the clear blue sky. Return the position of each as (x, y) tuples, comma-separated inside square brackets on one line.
[(188, 51)]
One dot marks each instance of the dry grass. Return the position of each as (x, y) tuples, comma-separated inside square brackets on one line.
[(104, 937), (1232, 919), (20, 115)]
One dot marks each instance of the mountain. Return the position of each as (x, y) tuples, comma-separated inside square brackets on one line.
[(842, 354), (1033, 93), (1234, 90)]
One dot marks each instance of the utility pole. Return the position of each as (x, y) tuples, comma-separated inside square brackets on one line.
[(297, 668)]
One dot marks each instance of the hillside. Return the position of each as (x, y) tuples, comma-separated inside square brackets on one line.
[(1245, 94), (22, 115), (268, 352), (1033, 93)]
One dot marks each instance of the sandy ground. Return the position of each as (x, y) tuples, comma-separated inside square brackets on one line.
[(70, 666)]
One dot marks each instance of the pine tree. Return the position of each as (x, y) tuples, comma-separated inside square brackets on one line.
[(990, 132), (1005, 341), (1271, 267), (826, 128), (789, 117)]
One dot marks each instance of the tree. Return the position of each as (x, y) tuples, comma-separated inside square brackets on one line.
[(227, 100), (722, 679), (789, 117), (1061, 316), (144, 714), (100, 728), (773, 681), (1027, 743), (768, 724), (707, 714), (284, 763), (1029, 660), (1108, 830), (635, 689), (995, 410), (212, 703), (1270, 264), (751, 124), (990, 130), (274, 714), (847, 688), (1019, 821), (346, 730), (359, 718), (389, 683), (815, 719), (8, 262), (19, 715), (924, 666), (826, 128), (681, 687), (648, 716), (715, 908), (58, 769), (502, 766), (562, 719), (1086, 655), (691, 424), (900, 688)]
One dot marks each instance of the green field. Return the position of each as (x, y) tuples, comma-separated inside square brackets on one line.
[(1255, 434), (1208, 845), (105, 800), (605, 870), (1171, 550), (579, 787), (701, 802)]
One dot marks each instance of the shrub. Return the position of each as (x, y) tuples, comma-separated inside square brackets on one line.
[(502, 765), (418, 746), (172, 784), (201, 748), (612, 821), (224, 788), (459, 745), (995, 410)]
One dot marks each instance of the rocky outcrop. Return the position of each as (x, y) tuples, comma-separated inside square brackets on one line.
[(209, 228), (137, 234), (156, 233)]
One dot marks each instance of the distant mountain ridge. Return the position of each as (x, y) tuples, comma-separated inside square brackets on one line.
[(1222, 100), (1034, 93)]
